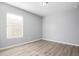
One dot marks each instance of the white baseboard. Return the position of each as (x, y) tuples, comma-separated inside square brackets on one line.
[(66, 43), (37, 40), (19, 44)]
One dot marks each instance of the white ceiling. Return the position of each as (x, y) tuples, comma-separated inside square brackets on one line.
[(50, 8)]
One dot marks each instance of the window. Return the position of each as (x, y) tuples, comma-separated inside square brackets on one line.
[(14, 26)]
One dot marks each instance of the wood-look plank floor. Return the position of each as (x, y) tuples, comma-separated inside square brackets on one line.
[(42, 48)]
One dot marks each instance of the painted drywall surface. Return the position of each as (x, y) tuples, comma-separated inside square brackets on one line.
[(0, 25), (63, 27), (32, 27)]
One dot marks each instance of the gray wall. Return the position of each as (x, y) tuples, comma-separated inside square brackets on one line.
[(63, 27), (32, 26)]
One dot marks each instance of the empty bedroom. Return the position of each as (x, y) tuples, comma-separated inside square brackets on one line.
[(39, 28)]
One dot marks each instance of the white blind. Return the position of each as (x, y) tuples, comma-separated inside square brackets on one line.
[(14, 25)]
